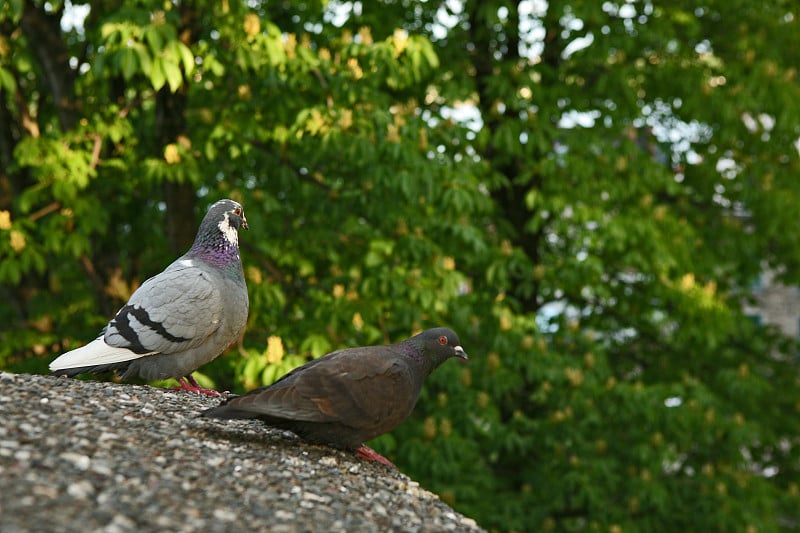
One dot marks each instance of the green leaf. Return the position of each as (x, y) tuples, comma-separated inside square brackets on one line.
[(145, 62), (7, 81), (158, 75), (173, 74), (127, 63), (154, 40), (187, 58)]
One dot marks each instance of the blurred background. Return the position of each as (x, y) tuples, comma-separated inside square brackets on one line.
[(601, 198)]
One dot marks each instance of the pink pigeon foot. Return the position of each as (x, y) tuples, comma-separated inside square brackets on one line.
[(365, 452), (194, 386)]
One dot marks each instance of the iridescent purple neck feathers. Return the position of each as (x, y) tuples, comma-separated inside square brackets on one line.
[(216, 250)]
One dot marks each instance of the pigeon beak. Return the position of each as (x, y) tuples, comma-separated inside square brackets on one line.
[(244, 223), (460, 353)]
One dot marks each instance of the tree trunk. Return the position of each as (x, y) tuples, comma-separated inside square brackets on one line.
[(170, 124), (43, 32)]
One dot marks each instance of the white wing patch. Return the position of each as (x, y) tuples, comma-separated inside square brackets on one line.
[(95, 353)]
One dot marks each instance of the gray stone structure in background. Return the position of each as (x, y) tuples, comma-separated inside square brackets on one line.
[(776, 304)]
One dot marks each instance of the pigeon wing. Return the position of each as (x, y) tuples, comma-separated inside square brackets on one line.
[(171, 312), (356, 387)]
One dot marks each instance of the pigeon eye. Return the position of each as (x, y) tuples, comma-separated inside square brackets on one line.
[(442, 340), (237, 211)]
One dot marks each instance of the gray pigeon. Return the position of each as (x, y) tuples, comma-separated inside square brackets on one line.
[(348, 396), (180, 319)]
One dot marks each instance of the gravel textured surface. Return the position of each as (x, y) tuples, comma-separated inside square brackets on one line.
[(94, 456)]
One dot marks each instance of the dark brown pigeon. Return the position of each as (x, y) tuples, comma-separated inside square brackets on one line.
[(348, 396)]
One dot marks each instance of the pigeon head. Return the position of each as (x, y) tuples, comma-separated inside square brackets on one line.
[(229, 217), (218, 237), (438, 345)]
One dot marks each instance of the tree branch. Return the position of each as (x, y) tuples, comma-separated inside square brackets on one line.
[(46, 210)]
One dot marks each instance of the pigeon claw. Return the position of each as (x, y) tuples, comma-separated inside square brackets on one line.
[(365, 452), (191, 385)]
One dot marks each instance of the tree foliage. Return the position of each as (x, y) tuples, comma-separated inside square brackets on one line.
[(584, 190)]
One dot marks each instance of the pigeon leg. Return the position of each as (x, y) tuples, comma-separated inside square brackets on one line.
[(193, 386), (193, 382), (365, 452)]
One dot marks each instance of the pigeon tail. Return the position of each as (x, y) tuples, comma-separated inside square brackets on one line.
[(225, 411), (117, 368), (93, 356), (365, 452)]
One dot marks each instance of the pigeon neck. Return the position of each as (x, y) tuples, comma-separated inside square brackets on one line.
[(426, 361), (216, 247)]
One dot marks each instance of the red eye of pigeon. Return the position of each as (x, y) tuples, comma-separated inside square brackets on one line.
[(237, 211), (442, 340)]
